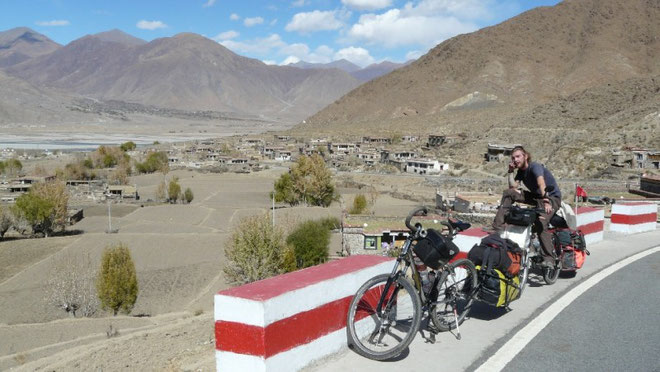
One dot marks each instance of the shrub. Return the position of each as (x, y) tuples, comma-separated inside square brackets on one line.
[(255, 251), (44, 207), (128, 146), (309, 181), (6, 221), (359, 204), (310, 241), (174, 190), (161, 190), (330, 223), (188, 195), (156, 161), (117, 284)]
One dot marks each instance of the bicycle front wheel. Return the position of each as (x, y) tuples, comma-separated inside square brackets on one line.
[(524, 272), (383, 332), (456, 290)]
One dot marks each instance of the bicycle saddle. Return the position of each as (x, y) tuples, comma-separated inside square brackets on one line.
[(459, 225)]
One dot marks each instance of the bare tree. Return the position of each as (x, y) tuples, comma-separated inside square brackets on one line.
[(71, 285), (6, 220)]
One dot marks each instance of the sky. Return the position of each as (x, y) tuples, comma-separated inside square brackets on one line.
[(279, 31)]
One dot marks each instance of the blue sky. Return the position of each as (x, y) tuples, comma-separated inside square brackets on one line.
[(276, 32)]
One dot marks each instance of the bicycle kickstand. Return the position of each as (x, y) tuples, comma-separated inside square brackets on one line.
[(458, 331)]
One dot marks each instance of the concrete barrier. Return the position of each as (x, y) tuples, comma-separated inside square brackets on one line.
[(286, 322), (591, 222), (465, 240), (630, 218)]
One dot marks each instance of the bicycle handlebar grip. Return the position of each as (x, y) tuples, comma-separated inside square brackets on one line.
[(451, 229), (412, 214)]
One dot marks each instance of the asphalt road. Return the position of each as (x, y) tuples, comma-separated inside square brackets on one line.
[(614, 326)]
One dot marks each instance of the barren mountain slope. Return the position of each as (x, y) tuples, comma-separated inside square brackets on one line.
[(186, 71), (539, 55), (21, 43)]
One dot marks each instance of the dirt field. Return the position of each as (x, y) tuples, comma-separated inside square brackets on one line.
[(179, 255)]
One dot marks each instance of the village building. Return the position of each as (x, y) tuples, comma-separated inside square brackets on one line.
[(282, 155), (646, 159), (381, 140), (436, 140), (409, 138), (650, 185), (498, 152), (425, 166), (123, 192), (342, 148), (282, 137)]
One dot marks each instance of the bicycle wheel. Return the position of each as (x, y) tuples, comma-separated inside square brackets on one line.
[(550, 275), (456, 290), (383, 333)]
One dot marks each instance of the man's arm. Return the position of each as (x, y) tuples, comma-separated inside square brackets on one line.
[(546, 202), (513, 184)]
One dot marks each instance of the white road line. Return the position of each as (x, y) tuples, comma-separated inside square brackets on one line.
[(509, 350)]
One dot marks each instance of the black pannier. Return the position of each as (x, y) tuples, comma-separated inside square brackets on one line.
[(435, 249), (567, 237), (520, 216)]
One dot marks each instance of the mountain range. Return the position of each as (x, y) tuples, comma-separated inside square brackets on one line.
[(370, 72)]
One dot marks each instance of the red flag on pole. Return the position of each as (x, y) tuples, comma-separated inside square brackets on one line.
[(579, 192)]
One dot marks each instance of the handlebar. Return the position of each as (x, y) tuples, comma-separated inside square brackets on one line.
[(451, 229), (414, 213)]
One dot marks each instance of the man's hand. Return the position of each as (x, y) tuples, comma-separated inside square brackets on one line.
[(511, 166), (547, 206)]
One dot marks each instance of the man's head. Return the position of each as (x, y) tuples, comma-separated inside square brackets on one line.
[(520, 157)]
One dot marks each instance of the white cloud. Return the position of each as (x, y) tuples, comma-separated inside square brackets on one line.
[(367, 4), (359, 56), (314, 21), (407, 27), (289, 60), (414, 54), (231, 34), (273, 22), (234, 17), (299, 3), (249, 22), (55, 22), (208, 3), (150, 25), (259, 46)]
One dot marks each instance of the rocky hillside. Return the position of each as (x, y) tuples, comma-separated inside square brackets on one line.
[(21, 43), (186, 71), (534, 58)]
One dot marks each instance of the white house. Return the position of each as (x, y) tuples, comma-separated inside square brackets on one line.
[(425, 166)]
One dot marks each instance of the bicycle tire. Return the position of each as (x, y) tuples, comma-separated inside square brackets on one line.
[(395, 329), (550, 275), (456, 291)]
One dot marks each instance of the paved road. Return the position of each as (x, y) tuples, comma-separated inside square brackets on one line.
[(489, 328), (615, 326)]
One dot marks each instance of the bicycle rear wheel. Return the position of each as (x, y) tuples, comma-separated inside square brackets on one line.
[(550, 274), (456, 290), (383, 333)]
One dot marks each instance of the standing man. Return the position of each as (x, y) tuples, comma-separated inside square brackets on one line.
[(536, 178)]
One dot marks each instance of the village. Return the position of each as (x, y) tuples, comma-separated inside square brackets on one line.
[(383, 157)]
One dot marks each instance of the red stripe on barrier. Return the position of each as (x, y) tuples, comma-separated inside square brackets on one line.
[(635, 219), (634, 203), (275, 286), (582, 210), (284, 334), (474, 232), (591, 228), (459, 255)]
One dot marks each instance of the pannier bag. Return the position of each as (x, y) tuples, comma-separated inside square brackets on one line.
[(566, 237), (504, 255), (572, 259), (496, 289), (520, 216), (435, 249)]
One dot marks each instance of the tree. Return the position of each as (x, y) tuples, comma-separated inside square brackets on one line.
[(309, 181), (6, 221), (128, 146), (174, 190), (161, 190), (71, 286), (188, 195), (13, 166), (156, 161), (256, 250), (117, 284), (36, 211), (57, 193), (359, 204), (310, 241)]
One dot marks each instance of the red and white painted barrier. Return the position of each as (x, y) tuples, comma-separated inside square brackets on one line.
[(633, 217), (286, 322), (591, 222), (465, 240)]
